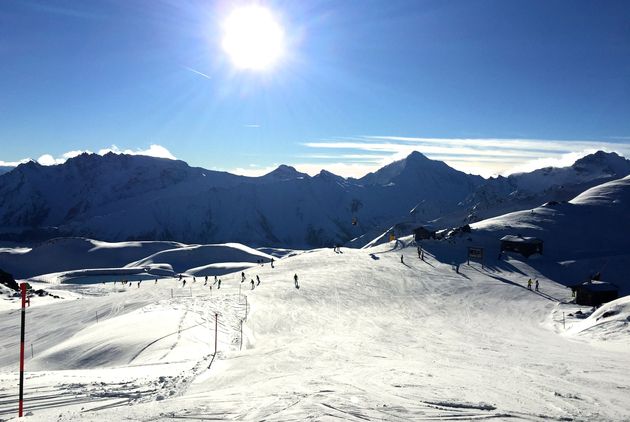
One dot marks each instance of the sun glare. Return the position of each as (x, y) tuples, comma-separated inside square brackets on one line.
[(253, 38)]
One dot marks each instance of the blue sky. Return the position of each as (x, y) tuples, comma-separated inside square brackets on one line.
[(488, 86)]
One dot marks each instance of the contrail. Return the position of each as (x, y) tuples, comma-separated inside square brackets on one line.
[(197, 72)]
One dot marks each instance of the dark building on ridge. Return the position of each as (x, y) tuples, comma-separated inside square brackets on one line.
[(526, 246), (594, 292), (423, 232)]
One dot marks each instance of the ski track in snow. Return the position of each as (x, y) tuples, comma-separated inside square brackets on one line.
[(361, 340)]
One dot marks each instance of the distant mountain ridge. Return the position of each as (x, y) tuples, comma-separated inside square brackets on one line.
[(119, 197)]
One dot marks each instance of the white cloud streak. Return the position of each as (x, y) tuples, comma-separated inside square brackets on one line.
[(197, 72), (486, 156)]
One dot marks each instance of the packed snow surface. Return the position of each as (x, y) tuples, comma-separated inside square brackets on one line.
[(367, 336)]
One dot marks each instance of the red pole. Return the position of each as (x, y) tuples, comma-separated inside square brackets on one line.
[(21, 403), (216, 326)]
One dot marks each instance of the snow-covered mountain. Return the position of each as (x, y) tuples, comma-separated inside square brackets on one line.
[(5, 169), (119, 197), (527, 190), (122, 197)]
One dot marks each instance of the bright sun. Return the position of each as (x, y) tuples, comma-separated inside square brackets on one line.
[(252, 38)]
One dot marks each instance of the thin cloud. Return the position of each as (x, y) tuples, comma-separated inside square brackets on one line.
[(486, 156), (198, 72), (13, 163), (154, 150)]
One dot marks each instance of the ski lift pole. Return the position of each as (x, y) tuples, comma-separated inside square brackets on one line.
[(241, 345), (24, 301), (216, 327)]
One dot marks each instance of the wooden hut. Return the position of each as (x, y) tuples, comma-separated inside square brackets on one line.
[(594, 292), (423, 232), (526, 246)]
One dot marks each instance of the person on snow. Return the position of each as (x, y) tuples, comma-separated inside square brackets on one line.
[(194, 280), (184, 282), (180, 277), (271, 262), (242, 277), (419, 252), (257, 281), (139, 284), (219, 286), (402, 261), (215, 280), (206, 280), (529, 284), (155, 281), (537, 285), (252, 281), (295, 280)]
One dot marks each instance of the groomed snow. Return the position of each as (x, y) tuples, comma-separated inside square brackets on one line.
[(365, 337)]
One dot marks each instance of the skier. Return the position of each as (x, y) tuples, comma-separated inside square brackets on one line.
[(184, 282), (139, 284), (194, 280), (419, 252), (242, 277), (402, 261), (215, 280), (252, 281), (537, 285), (206, 280), (180, 277), (271, 262), (295, 280), (219, 284), (257, 281), (529, 284), (155, 281)]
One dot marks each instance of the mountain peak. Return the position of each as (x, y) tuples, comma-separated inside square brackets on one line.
[(417, 156), (284, 172), (609, 162)]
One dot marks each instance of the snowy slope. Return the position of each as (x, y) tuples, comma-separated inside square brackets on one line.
[(527, 190), (588, 234), (66, 254), (193, 257), (364, 338)]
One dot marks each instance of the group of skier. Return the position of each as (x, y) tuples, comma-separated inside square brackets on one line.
[(529, 284), (217, 281)]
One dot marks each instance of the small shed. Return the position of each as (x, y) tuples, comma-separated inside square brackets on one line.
[(526, 246), (594, 292), (423, 232)]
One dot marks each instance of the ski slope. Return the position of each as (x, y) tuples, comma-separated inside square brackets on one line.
[(365, 337)]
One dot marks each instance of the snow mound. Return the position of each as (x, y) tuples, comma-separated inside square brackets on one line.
[(614, 194), (193, 257), (75, 253), (220, 268), (610, 322), (115, 342)]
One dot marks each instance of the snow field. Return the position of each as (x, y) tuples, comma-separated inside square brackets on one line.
[(366, 337)]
